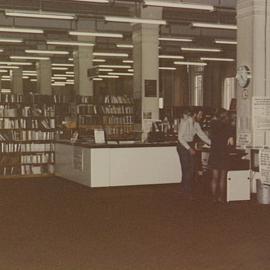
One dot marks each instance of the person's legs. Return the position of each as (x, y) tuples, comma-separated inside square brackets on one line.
[(222, 185), (214, 183)]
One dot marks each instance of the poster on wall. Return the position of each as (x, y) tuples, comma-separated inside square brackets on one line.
[(150, 88), (264, 165), (261, 113), (243, 140)]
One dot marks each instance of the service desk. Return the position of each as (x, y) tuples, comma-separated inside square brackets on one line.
[(104, 165)]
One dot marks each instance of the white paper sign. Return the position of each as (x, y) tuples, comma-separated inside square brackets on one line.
[(264, 165), (261, 113), (99, 136), (243, 139)]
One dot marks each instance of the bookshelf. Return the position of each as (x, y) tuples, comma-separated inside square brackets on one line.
[(27, 133)]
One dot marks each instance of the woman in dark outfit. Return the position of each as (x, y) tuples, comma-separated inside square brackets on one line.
[(221, 135)]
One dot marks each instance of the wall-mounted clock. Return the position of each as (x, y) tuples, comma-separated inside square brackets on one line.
[(243, 76)]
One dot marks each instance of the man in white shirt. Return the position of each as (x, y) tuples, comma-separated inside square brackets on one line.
[(188, 128)]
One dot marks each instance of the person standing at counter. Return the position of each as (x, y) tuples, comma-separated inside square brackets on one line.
[(188, 128), (221, 134)]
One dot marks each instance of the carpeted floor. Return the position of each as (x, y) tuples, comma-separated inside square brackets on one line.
[(53, 224)]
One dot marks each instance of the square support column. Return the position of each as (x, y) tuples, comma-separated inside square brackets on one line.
[(17, 81), (44, 77)]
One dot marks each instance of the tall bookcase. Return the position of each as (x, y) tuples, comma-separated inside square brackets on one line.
[(27, 132)]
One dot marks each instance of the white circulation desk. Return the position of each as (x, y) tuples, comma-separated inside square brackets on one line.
[(117, 165)]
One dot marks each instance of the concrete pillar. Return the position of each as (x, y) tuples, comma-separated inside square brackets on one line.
[(44, 76), (83, 57), (253, 50), (146, 73), (17, 81)]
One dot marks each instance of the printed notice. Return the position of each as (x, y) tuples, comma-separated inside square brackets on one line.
[(264, 165), (261, 113), (243, 139), (77, 158)]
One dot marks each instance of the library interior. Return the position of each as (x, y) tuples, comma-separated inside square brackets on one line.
[(134, 134)]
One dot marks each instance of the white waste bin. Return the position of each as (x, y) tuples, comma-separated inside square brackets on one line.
[(263, 192)]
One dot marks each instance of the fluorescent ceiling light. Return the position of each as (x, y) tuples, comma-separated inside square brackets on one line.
[(217, 59), (124, 46), (171, 56), (133, 20), (70, 83), (16, 63), (201, 49), (215, 25), (47, 52), (11, 40), (25, 77), (59, 78), (105, 69), (93, 1), (70, 43), (97, 79), (99, 60), (5, 90), (92, 34), (62, 65), (3, 70), (9, 67), (5, 79), (225, 41), (120, 74), (59, 84), (167, 68), (40, 15), (190, 63), (108, 76), (175, 39), (63, 75), (1, 50), (131, 70), (59, 68), (128, 61), (70, 59), (30, 57), (21, 30), (110, 54), (70, 72), (178, 5), (70, 80), (33, 80), (113, 66)]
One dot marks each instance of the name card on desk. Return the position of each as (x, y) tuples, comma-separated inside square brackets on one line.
[(99, 136)]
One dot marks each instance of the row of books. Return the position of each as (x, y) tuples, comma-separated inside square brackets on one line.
[(86, 109), (7, 123), (10, 98), (37, 169), (10, 170), (84, 99), (36, 135), (37, 147), (113, 109), (38, 158), (10, 147), (58, 99), (88, 120), (117, 120), (44, 111), (10, 135), (118, 130), (118, 99)]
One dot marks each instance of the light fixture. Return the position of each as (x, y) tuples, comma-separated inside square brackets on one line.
[(5, 79), (97, 79), (63, 75), (201, 49), (70, 43), (93, 34), (120, 74), (167, 68), (59, 78), (70, 59), (110, 54), (47, 52), (15, 63), (1, 50), (3, 70), (108, 76), (70, 80), (9, 67), (217, 59), (5, 90), (93, 1), (128, 61), (105, 69), (59, 84), (171, 57), (178, 5), (21, 30), (62, 65), (70, 72), (113, 66), (70, 83), (25, 77), (40, 14), (131, 70), (59, 68), (190, 63), (99, 60), (226, 41), (133, 20), (33, 80), (175, 39), (30, 57), (214, 25), (127, 46), (11, 40)]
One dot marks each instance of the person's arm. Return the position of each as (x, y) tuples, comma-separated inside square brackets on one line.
[(181, 132), (201, 134)]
